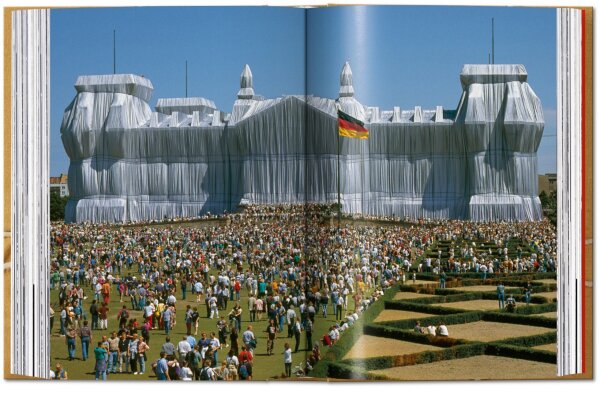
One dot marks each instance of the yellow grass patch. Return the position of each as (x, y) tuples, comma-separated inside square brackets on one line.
[(546, 281), (547, 295), (552, 314), (396, 315), (372, 346), (422, 282), (478, 288), (491, 331), (410, 295), (476, 305), (473, 368), (546, 347)]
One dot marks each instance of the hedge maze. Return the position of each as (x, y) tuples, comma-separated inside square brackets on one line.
[(487, 335)]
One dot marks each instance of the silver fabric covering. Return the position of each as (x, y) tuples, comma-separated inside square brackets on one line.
[(131, 164)]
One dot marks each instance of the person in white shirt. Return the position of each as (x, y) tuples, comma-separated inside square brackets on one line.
[(291, 321), (183, 348), (287, 359), (431, 330), (233, 364), (186, 372), (442, 330), (198, 289)]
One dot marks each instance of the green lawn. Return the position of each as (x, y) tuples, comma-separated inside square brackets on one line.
[(265, 367)]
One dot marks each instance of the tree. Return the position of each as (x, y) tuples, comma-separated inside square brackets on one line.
[(57, 207), (549, 205), (544, 200)]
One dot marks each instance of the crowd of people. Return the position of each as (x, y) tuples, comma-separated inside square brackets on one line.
[(283, 266)]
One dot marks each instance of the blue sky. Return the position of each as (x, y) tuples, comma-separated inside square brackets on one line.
[(400, 56)]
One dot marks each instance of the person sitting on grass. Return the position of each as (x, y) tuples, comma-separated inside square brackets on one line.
[(431, 330), (60, 372), (442, 330), (418, 328), (511, 304)]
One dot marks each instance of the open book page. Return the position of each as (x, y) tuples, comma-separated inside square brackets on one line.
[(445, 119), (370, 196), (185, 218)]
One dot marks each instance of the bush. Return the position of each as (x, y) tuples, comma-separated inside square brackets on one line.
[(57, 207), (346, 371), (349, 337), (519, 319), (530, 341), (512, 351), (383, 362), (399, 330), (450, 348)]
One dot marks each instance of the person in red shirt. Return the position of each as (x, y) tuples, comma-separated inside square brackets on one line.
[(237, 287), (327, 340), (103, 314), (245, 358)]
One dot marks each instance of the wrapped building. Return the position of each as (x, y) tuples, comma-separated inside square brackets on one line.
[(129, 163)]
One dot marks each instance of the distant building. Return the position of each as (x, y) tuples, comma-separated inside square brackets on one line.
[(59, 185), (547, 183)]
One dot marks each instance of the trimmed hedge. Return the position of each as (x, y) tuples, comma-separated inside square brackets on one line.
[(397, 333), (518, 297), (536, 309), (529, 341), (530, 276), (449, 319), (512, 351), (349, 337), (519, 319), (358, 369), (418, 307), (383, 362), (346, 371)]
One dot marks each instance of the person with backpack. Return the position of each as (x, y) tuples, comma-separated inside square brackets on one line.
[(233, 363), (207, 373), (244, 372), (245, 358), (249, 339), (122, 317), (194, 359)]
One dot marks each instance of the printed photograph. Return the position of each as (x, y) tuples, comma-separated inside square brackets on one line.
[(277, 193)]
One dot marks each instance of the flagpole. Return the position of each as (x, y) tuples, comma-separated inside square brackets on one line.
[(338, 180)]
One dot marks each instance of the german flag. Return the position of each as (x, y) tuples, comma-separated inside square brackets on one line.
[(350, 127)]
